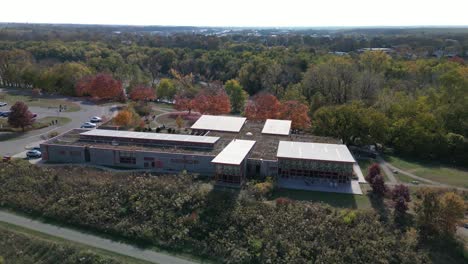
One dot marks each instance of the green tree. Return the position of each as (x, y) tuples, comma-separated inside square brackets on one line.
[(166, 89), (236, 94)]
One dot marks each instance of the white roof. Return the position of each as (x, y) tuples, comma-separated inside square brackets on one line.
[(219, 123), (277, 127), (314, 151), (234, 153), (150, 136)]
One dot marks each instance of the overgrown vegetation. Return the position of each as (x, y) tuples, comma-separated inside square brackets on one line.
[(182, 213)]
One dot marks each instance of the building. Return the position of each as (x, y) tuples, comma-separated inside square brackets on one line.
[(230, 149)]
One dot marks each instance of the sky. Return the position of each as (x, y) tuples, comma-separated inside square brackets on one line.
[(256, 13)]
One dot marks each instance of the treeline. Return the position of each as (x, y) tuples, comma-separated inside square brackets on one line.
[(417, 106), (184, 214)]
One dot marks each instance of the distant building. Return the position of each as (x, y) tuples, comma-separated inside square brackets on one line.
[(385, 50), (230, 149)]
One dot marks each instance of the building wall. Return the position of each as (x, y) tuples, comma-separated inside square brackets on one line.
[(296, 168), (158, 162), (63, 153), (262, 168)]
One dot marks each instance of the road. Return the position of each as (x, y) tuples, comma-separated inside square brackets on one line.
[(17, 145), (91, 240)]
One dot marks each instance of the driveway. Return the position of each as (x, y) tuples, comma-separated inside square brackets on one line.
[(91, 240), (18, 144)]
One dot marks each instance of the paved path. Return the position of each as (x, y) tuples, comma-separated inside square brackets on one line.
[(91, 240), (384, 165)]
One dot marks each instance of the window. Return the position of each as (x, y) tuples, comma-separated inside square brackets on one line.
[(127, 157)]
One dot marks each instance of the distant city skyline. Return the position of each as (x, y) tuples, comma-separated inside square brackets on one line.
[(240, 13)]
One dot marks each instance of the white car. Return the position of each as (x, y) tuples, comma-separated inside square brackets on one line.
[(88, 125), (3, 103), (95, 119), (33, 154)]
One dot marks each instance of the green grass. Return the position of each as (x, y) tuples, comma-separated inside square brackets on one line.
[(333, 199), (40, 123), (366, 163), (12, 96), (35, 235), (61, 120), (431, 170)]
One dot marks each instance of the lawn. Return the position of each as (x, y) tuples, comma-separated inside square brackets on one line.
[(334, 199), (431, 170), (40, 123), (12, 97)]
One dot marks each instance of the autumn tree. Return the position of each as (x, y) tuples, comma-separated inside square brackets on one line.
[(101, 86), (401, 197), (373, 171), (378, 185), (142, 93), (297, 112), (124, 118), (262, 106), (438, 213), (184, 102), (213, 101), (20, 116), (237, 95)]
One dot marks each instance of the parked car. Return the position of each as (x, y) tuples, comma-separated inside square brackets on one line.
[(36, 148), (3, 104), (33, 154), (88, 125), (34, 115), (466, 225), (395, 171), (5, 114), (95, 119)]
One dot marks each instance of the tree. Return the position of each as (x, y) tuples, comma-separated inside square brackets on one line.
[(183, 103), (453, 209), (142, 93), (401, 198), (20, 116), (294, 93), (101, 86), (262, 106), (373, 171), (166, 89), (378, 185), (297, 112), (237, 95), (213, 101), (179, 122), (124, 118)]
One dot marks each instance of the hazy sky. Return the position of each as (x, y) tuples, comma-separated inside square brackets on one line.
[(239, 12)]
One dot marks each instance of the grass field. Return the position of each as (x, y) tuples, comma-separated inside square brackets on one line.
[(333, 199), (12, 97), (40, 123), (30, 239), (432, 171)]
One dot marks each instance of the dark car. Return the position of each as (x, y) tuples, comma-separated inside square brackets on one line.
[(33, 154), (5, 114)]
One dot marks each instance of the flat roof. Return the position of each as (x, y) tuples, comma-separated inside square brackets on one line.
[(219, 123), (235, 152), (277, 127), (314, 151), (150, 136)]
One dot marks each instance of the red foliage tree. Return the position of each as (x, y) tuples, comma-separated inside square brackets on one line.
[(212, 101), (297, 112), (20, 116), (262, 106), (378, 185), (183, 103), (101, 86), (373, 171), (141, 93), (400, 197)]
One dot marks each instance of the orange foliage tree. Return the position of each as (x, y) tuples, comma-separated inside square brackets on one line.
[(101, 86), (183, 103), (123, 118), (297, 112), (212, 101), (140, 93), (262, 106)]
